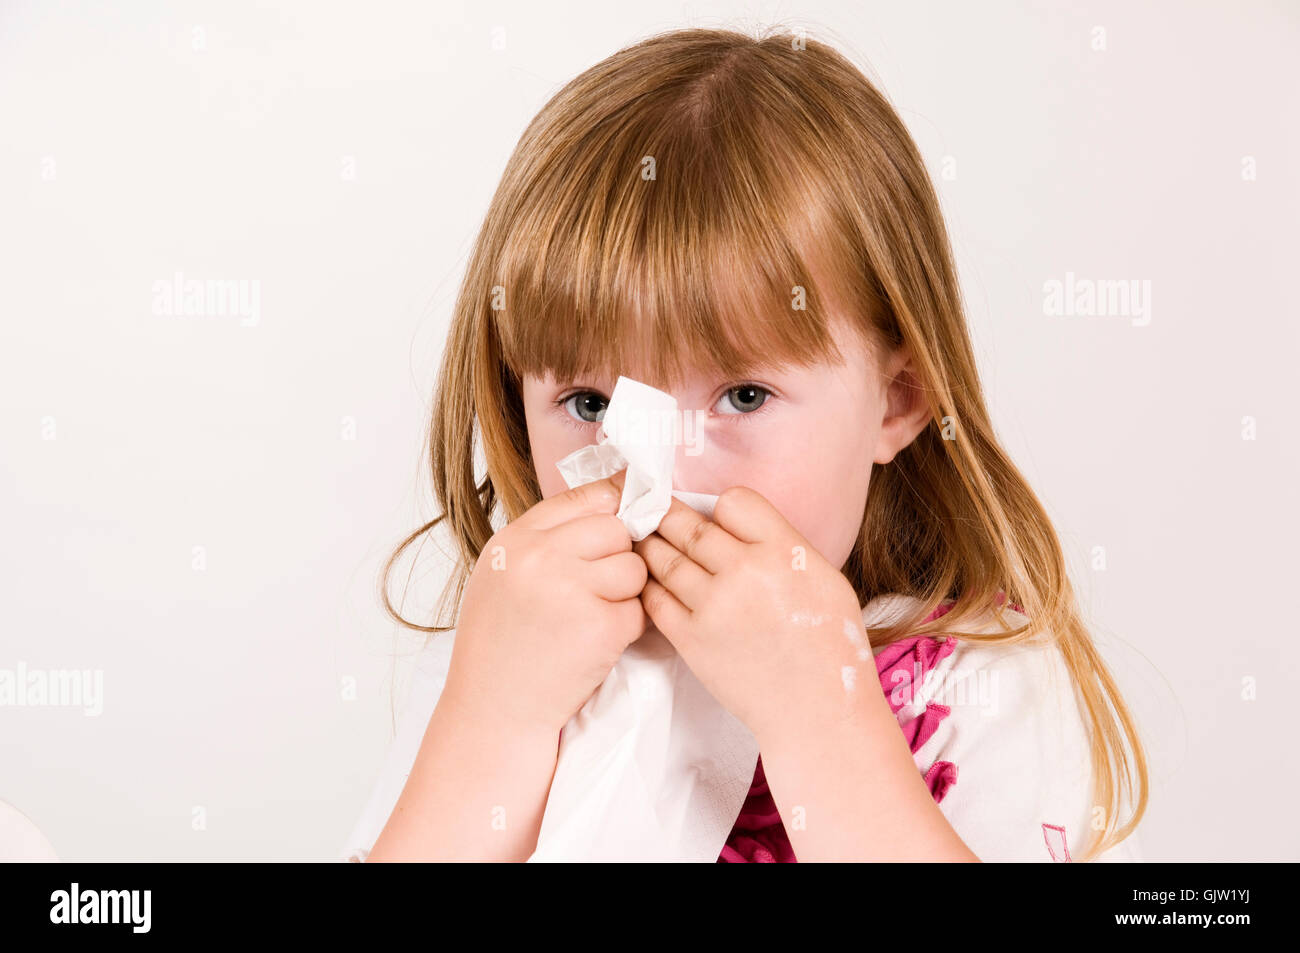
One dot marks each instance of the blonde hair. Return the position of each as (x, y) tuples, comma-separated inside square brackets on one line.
[(677, 192)]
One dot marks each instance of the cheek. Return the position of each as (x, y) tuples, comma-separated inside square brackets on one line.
[(819, 484), (830, 521), (548, 449), (548, 477), (551, 441)]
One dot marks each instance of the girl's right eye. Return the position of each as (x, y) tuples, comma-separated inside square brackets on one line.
[(584, 408)]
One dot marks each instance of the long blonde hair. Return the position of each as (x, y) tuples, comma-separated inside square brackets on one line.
[(679, 192)]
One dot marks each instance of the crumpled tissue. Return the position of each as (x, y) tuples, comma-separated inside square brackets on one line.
[(652, 768)]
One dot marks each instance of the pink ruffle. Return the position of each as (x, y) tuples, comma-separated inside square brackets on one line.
[(758, 836)]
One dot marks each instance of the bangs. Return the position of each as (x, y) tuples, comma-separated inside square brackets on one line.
[(684, 240)]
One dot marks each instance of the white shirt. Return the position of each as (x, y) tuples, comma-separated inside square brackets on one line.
[(1009, 725), (1017, 740)]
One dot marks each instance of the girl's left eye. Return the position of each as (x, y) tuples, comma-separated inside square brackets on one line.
[(746, 399)]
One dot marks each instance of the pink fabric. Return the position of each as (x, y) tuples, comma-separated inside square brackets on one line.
[(758, 836)]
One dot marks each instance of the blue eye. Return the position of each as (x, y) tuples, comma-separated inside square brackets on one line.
[(746, 399)]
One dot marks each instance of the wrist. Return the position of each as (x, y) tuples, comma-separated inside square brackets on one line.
[(500, 726), (861, 717)]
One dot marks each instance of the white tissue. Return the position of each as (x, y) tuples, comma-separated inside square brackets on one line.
[(652, 767)]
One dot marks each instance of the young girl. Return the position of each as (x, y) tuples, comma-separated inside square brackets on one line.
[(746, 223)]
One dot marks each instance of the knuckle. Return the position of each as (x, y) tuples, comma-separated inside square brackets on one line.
[(732, 497), (534, 556), (675, 564), (653, 599), (697, 536)]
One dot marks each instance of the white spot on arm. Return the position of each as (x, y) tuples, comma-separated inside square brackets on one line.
[(848, 674)]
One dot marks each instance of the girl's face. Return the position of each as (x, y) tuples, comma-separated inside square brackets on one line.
[(805, 438)]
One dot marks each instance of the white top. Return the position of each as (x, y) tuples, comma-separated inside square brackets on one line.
[(1017, 740), (1008, 723)]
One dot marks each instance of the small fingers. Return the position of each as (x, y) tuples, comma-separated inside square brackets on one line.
[(593, 536), (686, 579), (598, 496), (617, 578)]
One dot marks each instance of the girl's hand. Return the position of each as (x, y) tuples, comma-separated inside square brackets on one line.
[(765, 623), (550, 606)]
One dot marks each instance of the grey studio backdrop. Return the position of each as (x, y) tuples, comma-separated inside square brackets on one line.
[(196, 507)]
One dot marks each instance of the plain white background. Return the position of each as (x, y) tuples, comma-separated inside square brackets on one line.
[(342, 156)]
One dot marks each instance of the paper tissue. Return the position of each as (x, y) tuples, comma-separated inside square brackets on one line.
[(652, 767)]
